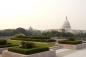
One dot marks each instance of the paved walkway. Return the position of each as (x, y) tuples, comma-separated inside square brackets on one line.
[(64, 53), (71, 53), (80, 53), (0, 55), (61, 50)]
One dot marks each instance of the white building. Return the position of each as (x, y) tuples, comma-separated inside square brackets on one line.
[(67, 28)]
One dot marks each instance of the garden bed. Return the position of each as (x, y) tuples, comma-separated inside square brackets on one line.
[(71, 43), (75, 47), (32, 38), (35, 40), (28, 49)]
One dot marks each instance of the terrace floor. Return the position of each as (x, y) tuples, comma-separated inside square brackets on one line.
[(71, 53)]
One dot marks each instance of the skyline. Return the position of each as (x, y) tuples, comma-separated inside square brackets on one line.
[(42, 15)]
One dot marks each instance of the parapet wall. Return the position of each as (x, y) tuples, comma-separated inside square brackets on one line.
[(75, 47), (7, 53)]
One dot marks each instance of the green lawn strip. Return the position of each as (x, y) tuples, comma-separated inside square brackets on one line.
[(44, 45), (15, 42)]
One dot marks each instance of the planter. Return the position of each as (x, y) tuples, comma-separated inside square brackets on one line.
[(7, 53), (75, 47)]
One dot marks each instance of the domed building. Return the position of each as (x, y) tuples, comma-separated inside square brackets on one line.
[(66, 27), (66, 24)]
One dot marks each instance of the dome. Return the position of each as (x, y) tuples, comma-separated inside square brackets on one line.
[(66, 24)]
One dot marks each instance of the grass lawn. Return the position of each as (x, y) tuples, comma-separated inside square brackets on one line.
[(15, 42), (44, 45)]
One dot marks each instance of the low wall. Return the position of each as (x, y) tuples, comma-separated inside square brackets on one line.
[(7, 53), (2, 49), (78, 46)]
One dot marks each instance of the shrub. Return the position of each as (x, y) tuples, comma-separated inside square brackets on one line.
[(71, 39), (3, 42), (28, 51), (27, 45), (19, 36), (70, 42)]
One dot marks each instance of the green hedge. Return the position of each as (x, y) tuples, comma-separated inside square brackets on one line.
[(3, 42), (33, 37), (36, 40), (27, 45), (28, 51), (37, 37), (70, 42)]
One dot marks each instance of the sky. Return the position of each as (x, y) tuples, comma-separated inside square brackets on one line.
[(42, 14)]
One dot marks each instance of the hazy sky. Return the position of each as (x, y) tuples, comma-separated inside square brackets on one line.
[(42, 14)]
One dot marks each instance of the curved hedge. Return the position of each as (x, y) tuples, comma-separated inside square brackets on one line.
[(70, 42), (28, 51)]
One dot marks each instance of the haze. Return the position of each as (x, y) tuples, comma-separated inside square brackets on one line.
[(42, 14)]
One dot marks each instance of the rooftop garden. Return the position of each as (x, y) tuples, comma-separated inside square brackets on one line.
[(28, 48)]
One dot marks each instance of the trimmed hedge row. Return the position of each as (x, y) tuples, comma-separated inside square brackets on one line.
[(36, 40), (70, 42), (33, 37), (28, 51), (37, 37)]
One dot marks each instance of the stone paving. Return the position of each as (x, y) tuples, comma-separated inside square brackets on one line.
[(80, 53), (64, 53), (0, 55), (71, 53)]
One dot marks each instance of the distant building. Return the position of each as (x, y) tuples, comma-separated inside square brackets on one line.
[(34, 31), (67, 28)]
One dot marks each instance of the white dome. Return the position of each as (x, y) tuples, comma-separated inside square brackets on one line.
[(66, 24)]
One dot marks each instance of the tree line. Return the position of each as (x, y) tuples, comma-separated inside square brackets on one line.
[(57, 34), (12, 32)]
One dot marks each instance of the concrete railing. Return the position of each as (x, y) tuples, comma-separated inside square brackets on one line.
[(7, 53), (78, 46)]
